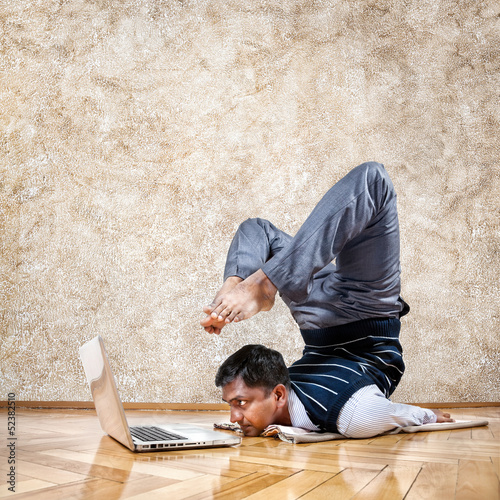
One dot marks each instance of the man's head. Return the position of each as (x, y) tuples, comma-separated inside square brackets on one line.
[(255, 382)]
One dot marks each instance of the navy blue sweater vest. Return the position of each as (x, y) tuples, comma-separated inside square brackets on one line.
[(340, 360)]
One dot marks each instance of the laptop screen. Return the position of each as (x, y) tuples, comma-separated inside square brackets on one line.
[(104, 392)]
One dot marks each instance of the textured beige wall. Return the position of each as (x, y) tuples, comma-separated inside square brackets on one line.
[(136, 135)]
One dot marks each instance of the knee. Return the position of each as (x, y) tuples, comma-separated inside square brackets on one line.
[(253, 228), (254, 222), (375, 175), (248, 223), (373, 170)]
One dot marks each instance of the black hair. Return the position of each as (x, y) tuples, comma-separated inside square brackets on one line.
[(257, 365)]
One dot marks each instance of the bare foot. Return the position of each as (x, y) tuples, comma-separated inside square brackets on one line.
[(443, 417), (214, 325), (252, 295)]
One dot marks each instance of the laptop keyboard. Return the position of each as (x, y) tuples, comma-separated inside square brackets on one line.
[(151, 433)]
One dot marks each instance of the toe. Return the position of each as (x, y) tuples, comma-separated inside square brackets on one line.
[(207, 309), (218, 311), (230, 317), (206, 321), (224, 315)]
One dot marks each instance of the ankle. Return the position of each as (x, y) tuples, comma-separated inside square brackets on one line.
[(233, 280), (263, 281)]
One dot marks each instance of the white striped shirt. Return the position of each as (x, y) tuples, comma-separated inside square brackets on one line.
[(366, 414)]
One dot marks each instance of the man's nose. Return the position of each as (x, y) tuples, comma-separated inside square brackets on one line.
[(236, 415)]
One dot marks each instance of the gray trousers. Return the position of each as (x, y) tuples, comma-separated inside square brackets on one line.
[(342, 265)]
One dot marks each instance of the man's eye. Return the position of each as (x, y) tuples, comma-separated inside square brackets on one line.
[(241, 403)]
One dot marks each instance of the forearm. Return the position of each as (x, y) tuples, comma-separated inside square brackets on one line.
[(368, 413)]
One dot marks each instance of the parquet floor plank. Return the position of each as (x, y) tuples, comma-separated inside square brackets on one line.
[(184, 489), (128, 489), (245, 486), (460, 435), (335, 456), (256, 457), (80, 489), (223, 466), (84, 468), (220, 466), (494, 426), (390, 439), (438, 436), (292, 487), (398, 456), (48, 473), (23, 485), (124, 464), (342, 486), (429, 452), (415, 437), (482, 433), (434, 481), (393, 483), (477, 480), (495, 460), (26, 446)]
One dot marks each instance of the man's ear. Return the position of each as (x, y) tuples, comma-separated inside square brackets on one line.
[(281, 395)]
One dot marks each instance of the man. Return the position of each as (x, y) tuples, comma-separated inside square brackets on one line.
[(340, 278)]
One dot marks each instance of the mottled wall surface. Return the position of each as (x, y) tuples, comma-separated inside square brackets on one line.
[(137, 135)]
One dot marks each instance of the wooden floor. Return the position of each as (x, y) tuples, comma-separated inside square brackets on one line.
[(64, 454)]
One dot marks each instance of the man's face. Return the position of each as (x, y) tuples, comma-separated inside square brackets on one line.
[(251, 408)]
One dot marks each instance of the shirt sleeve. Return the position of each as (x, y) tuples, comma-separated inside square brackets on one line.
[(369, 413)]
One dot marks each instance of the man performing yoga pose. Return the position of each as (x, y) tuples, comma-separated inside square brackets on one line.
[(340, 277)]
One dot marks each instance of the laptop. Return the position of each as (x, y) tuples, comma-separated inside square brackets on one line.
[(141, 438)]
